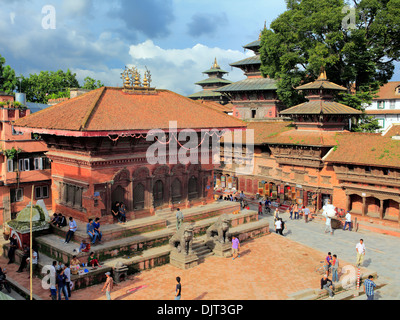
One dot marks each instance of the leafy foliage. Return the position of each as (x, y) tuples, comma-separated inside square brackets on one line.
[(41, 87), (312, 34), (91, 84), (8, 80)]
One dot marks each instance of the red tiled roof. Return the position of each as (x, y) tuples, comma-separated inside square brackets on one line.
[(388, 91), (370, 149), (393, 130), (217, 106), (264, 130), (111, 110)]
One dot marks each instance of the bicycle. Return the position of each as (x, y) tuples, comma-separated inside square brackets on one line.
[(321, 269)]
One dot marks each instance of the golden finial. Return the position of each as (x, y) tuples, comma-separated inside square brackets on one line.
[(145, 84), (215, 65), (322, 74)]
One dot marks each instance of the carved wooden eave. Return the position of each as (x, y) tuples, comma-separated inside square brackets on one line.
[(373, 192), (298, 155)]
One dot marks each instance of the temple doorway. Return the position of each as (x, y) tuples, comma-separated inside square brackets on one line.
[(158, 193), (118, 195)]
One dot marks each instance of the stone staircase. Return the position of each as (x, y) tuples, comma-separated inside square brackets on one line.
[(143, 243), (201, 249)]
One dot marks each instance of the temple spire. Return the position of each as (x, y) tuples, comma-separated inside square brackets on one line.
[(322, 74), (215, 65)]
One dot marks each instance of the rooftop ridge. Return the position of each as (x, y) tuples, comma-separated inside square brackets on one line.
[(92, 108)]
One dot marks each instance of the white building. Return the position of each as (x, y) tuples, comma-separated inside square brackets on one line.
[(386, 106)]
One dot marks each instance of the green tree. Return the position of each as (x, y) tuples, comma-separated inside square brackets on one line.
[(91, 84), (48, 84), (311, 34), (8, 80)]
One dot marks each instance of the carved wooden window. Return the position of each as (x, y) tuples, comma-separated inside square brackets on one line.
[(72, 195)]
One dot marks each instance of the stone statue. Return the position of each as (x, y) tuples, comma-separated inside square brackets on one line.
[(219, 231), (182, 240)]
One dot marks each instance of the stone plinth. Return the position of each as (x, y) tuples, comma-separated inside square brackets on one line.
[(183, 261), (220, 249)]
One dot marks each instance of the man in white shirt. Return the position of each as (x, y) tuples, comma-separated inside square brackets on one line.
[(360, 249), (278, 226), (348, 221), (328, 226)]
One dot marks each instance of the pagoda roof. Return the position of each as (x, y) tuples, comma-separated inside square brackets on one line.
[(215, 70), (205, 94), (250, 84), (214, 80), (321, 83), (251, 60), (320, 107), (107, 110), (253, 44)]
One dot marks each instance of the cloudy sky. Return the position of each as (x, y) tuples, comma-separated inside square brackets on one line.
[(175, 39)]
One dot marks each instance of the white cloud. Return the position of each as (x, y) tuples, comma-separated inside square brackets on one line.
[(179, 69)]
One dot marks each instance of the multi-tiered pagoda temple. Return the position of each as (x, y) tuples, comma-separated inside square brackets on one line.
[(214, 81), (254, 97)]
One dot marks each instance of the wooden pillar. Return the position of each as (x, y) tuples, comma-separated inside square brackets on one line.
[(364, 206), (348, 202), (381, 210), (398, 216)]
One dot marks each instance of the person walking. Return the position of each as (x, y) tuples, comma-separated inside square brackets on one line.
[(61, 280), (108, 286), (328, 226), (178, 289), (72, 228), (296, 211), (276, 215), (348, 221), (335, 267), (235, 247), (260, 208), (369, 287), (179, 218), (291, 211), (52, 278), (278, 226), (306, 213), (360, 250), (67, 272)]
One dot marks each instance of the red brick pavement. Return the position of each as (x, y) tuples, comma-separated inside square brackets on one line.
[(270, 268)]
